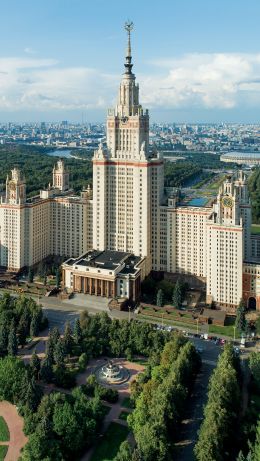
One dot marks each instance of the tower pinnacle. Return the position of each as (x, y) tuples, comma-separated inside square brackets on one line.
[(129, 25)]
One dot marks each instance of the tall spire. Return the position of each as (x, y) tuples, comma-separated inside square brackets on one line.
[(128, 64)]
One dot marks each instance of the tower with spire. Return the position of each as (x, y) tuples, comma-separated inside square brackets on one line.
[(127, 177), (60, 176)]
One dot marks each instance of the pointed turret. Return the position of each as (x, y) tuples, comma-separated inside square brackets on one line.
[(128, 64)]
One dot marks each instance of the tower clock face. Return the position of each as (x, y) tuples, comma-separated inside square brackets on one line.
[(227, 202)]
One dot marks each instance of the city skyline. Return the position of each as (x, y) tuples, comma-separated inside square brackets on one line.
[(202, 64)]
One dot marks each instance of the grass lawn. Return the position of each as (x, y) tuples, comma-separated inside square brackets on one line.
[(255, 229), (216, 184), (226, 331), (127, 403), (175, 323), (4, 431), (3, 451), (140, 361), (123, 415), (109, 444)]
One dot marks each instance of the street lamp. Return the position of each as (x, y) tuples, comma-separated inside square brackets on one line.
[(197, 320), (234, 327), (129, 307), (162, 318)]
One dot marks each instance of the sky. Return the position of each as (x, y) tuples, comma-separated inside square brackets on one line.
[(195, 60)]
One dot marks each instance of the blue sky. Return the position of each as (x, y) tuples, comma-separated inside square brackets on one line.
[(195, 61)]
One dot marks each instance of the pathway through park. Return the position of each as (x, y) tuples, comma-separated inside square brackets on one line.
[(116, 408), (194, 415), (15, 426)]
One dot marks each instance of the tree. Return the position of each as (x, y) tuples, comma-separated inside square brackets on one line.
[(159, 298), (30, 275), (46, 373), (23, 328), (59, 353), (177, 295), (33, 395), (57, 277), (35, 325), (219, 427), (257, 325), (68, 339), (241, 317), (4, 333), (54, 335), (256, 448), (124, 453), (13, 376), (78, 332), (35, 364), (12, 347), (83, 361), (254, 365)]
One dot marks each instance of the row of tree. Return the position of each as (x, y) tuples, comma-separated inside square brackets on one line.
[(100, 335), (52, 368), (219, 427), (18, 385), (160, 394), (62, 427), (19, 318), (254, 189), (250, 440), (178, 294)]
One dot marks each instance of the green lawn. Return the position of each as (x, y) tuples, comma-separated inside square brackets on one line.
[(255, 229), (175, 323), (140, 361), (109, 444), (127, 403), (3, 451), (216, 184), (4, 431), (123, 415), (226, 331)]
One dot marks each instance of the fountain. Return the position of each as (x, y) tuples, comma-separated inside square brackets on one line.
[(111, 373)]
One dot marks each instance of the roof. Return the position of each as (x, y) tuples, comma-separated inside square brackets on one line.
[(107, 259)]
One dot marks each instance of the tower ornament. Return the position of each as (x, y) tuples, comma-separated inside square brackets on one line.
[(129, 25)]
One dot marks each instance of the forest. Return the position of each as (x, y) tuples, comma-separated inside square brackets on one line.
[(254, 190), (37, 167)]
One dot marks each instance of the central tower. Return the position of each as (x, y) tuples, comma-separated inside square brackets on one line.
[(127, 124), (127, 183)]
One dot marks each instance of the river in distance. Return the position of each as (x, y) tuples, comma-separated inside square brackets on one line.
[(63, 153)]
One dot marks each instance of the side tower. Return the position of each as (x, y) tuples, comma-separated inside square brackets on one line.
[(226, 245), (15, 188), (123, 174), (60, 177)]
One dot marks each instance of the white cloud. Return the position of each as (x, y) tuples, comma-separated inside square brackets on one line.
[(41, 84), (195, 80), (203, 80), (29, 50)]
